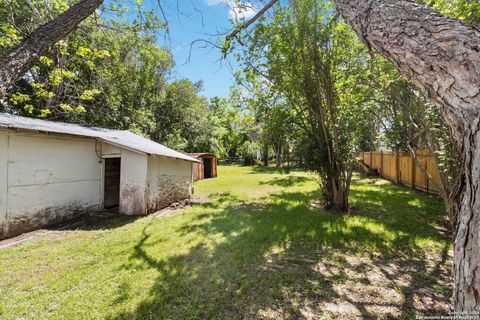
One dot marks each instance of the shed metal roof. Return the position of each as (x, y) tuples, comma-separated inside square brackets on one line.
[(120, 138), (201, 154)]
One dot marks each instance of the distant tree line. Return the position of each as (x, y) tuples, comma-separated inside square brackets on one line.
[(110, 72)]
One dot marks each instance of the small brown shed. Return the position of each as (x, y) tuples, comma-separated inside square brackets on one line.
[(207, 168)]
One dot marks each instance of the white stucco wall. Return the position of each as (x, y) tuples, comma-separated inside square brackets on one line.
[(109, 150), (133, 181), (3, 178), (50, 178), (169, 180)]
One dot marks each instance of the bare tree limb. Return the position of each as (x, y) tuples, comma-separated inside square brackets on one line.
[(34, 10), (234, 33)]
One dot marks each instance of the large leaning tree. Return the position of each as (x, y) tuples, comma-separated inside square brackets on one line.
[(26, 53), (441, 56)]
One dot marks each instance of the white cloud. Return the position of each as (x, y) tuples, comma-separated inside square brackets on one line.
[(211, 3), (237, 10)]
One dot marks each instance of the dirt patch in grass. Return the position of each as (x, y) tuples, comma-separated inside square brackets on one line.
[(10, 242), (347, 286), (178, 206), (88, 221)]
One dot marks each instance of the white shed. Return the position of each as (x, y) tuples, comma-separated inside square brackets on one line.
[(51, 172)]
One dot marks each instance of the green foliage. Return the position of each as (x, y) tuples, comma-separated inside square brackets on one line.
[(402, 119), (336, 98), (236, 130), (298, 63), (276, 120), (311, 59), (110, 72), (186, 118), (9, 36), (466, 10)]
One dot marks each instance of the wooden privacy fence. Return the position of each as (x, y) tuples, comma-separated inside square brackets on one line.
[(402, 168)]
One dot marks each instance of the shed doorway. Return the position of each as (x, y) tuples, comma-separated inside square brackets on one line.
[(111, 191), (207, 168)]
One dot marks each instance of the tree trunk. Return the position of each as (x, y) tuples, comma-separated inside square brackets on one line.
[(441, 56), (23, 56), (340, 198), (265, 155), (278, 154), (287, 150), (335, 192)]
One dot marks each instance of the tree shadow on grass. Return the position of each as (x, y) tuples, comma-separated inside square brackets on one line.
[(280, 258), (94, 221), (285, 182), (273, 170)]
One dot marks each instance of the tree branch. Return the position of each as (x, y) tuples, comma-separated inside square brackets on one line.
[(234, 33), (25, 54)]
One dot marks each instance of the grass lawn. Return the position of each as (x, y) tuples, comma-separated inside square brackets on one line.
[(257, 249)]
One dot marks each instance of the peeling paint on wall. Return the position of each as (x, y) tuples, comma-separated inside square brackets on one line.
[(134, 199), (45, 179), (133, 183), (20, 223), (169, 181), (167, 190)]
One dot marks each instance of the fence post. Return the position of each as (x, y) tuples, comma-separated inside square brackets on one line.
[(371, 165), (426, 169), (414, 170), (397, 166), (381, 164)]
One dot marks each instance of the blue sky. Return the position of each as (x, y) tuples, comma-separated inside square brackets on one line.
[(191, 20)]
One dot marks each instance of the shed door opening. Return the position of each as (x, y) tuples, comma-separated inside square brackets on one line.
[(207, 168), (112, 183)]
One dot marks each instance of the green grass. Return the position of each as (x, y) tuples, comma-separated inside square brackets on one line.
[(256, 249)]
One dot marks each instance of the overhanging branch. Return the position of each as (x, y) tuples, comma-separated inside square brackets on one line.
[(234, 34)]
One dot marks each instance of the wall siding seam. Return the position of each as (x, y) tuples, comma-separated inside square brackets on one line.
[(51, 183)]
